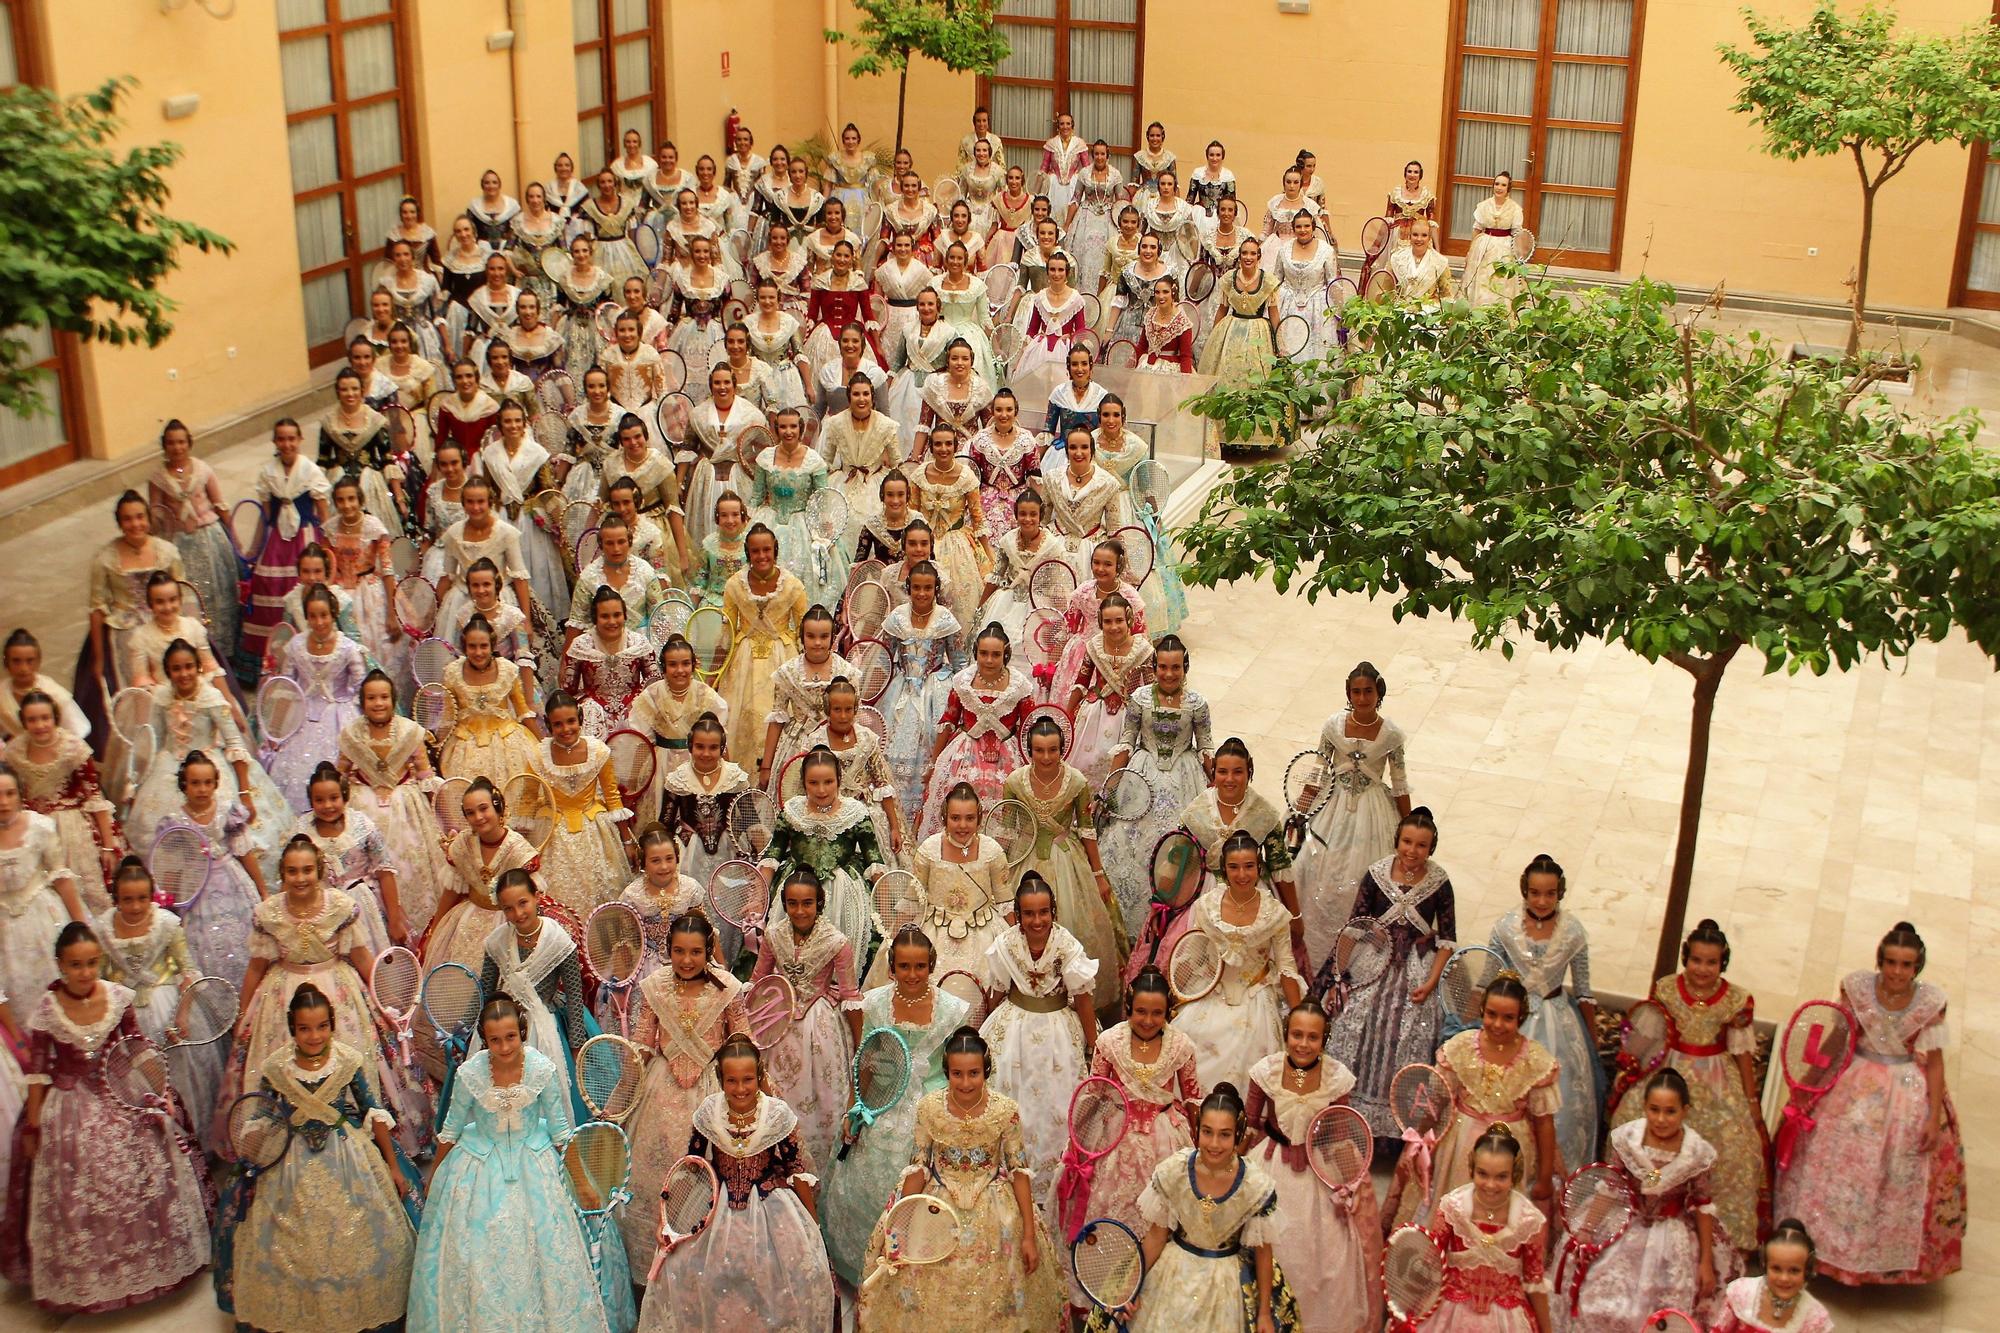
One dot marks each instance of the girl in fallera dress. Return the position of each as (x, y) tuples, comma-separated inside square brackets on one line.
[(295, 497), (106, 1206), (947, 494), (119, 573), (1085, 503), (1074, 404), (340, 1176), (495, 731), (1677, 1253), (882, 533), (1023, 545), (1212, 1216), (357, 857), (963, 305), (59, 780), (24, 676), (1044, 1022), (1331, 1246), (1493, 1240), (184, 491), (1065, 853), (1241, 347), (1714, 1049), (831, 835), (900, 278), (1237, 1023), (1395, 1022), (1545, 945), (966, 884), (1407, 202), (1051, 321), (1497, 1076), (782, 484), (1881, 1177), (1115, 663), (217, 924), (958, 398), (695, 800), (862, 446), (988, 702), (777, 339), (592, 847), (1131, 293), (1003, 1272), (388, 757), (482, 535), (722, 550), (760, 1262), (1494, 220), (38, 894), (1361, 758), (146, 951), (354, 442), (532, 960), (501, 1245), (858, 1184), (1778, 1301), (924, 640), (359, 545), (607, 668), (659, 894), (809, 1064), (683, 1014), (765, 604), (510, 627), (864, 768), (482, 852), (1165, 738), (1105, 567), (665, 710), (1007, 459), (166, 622), (1304, 265), (315, 571), (798, 693)]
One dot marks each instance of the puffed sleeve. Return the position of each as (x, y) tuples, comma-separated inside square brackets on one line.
[(1079, 972), (1741, 1036), (607, 792), (365, 1102), (1545, 1098), (1263, 1225), (233, 750), (920, 1139), (645, 1025), (1932, 1036), (236, 839), (41, 1057), (1080, 816), (263, 944), (514, 566), (844, 988), (1204, 735), (515, 696), (1014, 1148), (1128, 730), (1155, 1201), (1444, 913), (1397, 773)]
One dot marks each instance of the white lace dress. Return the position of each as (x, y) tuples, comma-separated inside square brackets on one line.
[(1037, 1039)]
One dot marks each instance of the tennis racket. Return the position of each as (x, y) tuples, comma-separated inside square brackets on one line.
[(1466, 976), (1054, 713), (1012, 825), (863, 610), (1098, 1112), (587, 549), (1125, 796), (968, 988), (1420, 1102), (1140, 557), (918, 1229), (881, 1071), (204, 1014), (1412, 1276), (598, 1161), (614, 944), (131, 713), (258, 1131), (1645, 1036), (448, 804), (874, 666), (281, 709), (610, 1073), (673, 371), (1008, 343), (181, 863), (646, 242), (826, 523), (669, 618), (791, 779), (1200, 280), (1818, 1045), (688, 1195), (1109, 1265), (1195, 966), (1122, 354), (1306, 790), (434, 710), (1292, 337), (1178, 869), (707, 632), (416, 606), (633, 760), (1596, 1207), (1362, 952), (1672, 1321), (275, 644), (138, 1076), (246, 533), (1381, 284), (1374, 235), (557, 392), (531, 809), (1339, 1146), (872, 719), (898, 901), (753, 819), (397, 985), (739, 894), (1524, 243), (429, 658), (1050, 585), (771, 1005), (1148, 484), (451, 999), (673, 414)]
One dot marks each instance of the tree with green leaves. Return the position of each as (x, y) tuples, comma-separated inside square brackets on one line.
[(958, 34), (1838, 85), (84, 243), (1593, 467)]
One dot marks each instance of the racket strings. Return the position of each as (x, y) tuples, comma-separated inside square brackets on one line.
[(924, 1229), (880, 1069), (1109, 1264), (1097, 1121), (686, 1197), (207, 1011), (257, 1130), (609, 1076)]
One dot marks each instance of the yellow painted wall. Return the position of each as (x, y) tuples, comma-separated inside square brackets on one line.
[(235, 177)]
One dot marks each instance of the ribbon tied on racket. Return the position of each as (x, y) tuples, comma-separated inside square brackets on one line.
[(1098, 1110), (1420, 1101), (1596, 1207), (1819, 1043), (918, 1229)]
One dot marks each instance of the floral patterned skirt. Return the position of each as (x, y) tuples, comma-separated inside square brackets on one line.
[(1180, 1297)]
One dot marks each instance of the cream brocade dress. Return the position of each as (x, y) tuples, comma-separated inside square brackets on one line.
[(1037, 1038), (1062, 822), (766, 628), (1485, 1094)]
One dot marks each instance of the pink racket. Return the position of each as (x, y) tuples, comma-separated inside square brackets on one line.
[(688, 1195), (416, 606), (1673, 1321), (1412, 1277), (739, 896), (1818, 1045), (1339, 1145), (968, 988), (1596, 1208), (614, 945), (397, 984), (1098, 1111), (771, 1005), (1421, 1104)]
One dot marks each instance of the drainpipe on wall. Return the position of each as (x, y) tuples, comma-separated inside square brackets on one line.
[(517, 16), (829, 22)]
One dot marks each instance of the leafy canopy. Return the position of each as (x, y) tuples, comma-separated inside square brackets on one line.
[(1582, 467), (84, 243), (958, 34), (1835, 83)]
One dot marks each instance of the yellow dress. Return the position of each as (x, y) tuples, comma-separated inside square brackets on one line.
[(766, 629), (981, 1287), (1062, 822), (1485, 1094), (959, 523), (488, 740), (584, 864), (459, 936)]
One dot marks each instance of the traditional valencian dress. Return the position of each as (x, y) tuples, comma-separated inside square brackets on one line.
[(488, 740), (584, 860), (1380, 1029), (1352, 830), (808, 1066), (760, 1262), (605, 684), (1710, 1034), (1484, 1094), (983, 724), (1880, 1208), (313, 950), (154, 965), (1331, 1244), (1062, 822), (66, 790), (501, 1245), (1555, 1021), (1036, 1037), (1490, 1269), (1158, 1095), (320, 1240), (766, 627), (1205, 1280), (841, 849), (1168, 747), (459, 936), (964, 902), (1241, 1020), (982, 1286), (217, 924), (393, 781), (547, 982), (1743, 1302)]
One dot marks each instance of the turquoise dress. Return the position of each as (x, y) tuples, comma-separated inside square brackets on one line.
[(778, 499), (966, 312), (501, 1245), (858, 1188), (717, 563)]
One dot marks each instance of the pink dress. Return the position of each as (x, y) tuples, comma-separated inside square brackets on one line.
[(1745, 1298), (1880, 1209), (1490, 1269), (808, 1066), (981, 750)]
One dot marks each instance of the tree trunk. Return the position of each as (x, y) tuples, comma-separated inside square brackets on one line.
[(903, 92), (1861, 268), (1707, 673)]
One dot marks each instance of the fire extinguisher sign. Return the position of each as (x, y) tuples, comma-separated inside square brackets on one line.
[(725, 64)]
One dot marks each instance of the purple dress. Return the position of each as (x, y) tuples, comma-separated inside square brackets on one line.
[(332, 685)]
